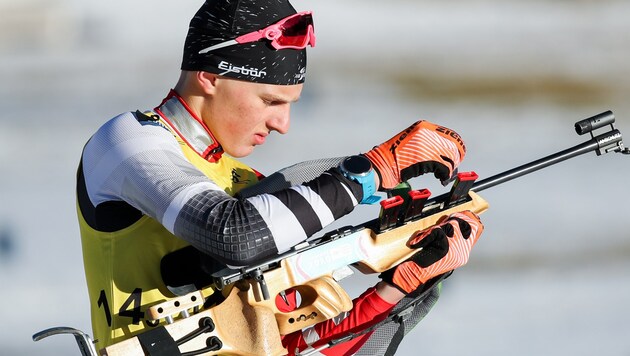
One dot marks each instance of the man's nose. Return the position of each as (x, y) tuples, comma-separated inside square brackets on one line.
[(281, 121)]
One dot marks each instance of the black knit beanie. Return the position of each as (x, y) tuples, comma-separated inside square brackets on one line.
[(218, 21)]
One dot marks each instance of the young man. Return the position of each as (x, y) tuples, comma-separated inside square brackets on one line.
[(151, 184)]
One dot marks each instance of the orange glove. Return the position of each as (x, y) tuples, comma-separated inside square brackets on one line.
[(423, 147), (443, 247)]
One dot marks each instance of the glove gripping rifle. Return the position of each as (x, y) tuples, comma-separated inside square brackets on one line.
[(314, 267)]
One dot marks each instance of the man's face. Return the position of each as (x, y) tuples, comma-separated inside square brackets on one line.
[(241, 114)]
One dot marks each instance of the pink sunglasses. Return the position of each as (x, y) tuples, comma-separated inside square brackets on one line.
[(295, 31)]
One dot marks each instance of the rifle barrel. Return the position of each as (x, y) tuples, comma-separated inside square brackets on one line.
[(594, 144)]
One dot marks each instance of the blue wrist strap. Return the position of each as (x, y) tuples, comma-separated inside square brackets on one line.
[(369, 188)]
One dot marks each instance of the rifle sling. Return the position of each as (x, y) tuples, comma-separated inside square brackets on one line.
[(397, 338)]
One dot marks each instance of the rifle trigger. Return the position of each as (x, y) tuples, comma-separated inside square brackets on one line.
[(283, 295)]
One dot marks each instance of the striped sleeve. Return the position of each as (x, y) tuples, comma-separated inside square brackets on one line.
[(306, 208)]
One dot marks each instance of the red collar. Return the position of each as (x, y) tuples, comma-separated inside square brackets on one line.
[(190, 128)]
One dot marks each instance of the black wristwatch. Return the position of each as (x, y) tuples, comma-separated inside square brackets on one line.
[(359, 169)]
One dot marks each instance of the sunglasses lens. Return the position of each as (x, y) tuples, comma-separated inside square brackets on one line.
[(296, 31)]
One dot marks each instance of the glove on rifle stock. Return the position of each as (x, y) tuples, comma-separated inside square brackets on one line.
[(421, 148), (444, 247)]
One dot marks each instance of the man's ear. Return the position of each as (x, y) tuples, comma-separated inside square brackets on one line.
[(207, 82)]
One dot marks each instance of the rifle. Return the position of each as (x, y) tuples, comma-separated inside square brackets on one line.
[(380, 244), (250, 320)]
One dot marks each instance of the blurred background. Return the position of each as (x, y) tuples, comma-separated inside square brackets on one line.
[(551, 274)]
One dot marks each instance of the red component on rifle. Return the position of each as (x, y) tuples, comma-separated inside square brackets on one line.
[(390, 210), (462, 185), (416, 203)]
